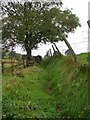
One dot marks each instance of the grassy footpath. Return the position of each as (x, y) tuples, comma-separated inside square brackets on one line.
[(56, 88), (28, 97)]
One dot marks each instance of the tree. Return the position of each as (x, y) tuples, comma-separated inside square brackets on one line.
[(27, 25), (60, 24), (21, 26)]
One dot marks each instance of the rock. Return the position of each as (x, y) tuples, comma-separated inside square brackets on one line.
[(69, 52), (19, 74), (38, 58)]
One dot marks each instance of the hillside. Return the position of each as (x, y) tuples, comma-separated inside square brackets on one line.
[(57, 88), (69, 83)]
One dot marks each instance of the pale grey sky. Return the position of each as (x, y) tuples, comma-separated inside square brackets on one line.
[(79, 39)]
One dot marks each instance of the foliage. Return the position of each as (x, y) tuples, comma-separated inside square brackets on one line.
[(3, 54), (28, 26), (10, 54)]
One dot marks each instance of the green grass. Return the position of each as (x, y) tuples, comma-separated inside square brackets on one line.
[(56, 88), (26, 97), (83, 57), (70, 86)]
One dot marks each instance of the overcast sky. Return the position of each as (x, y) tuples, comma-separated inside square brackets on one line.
[(79, 39)]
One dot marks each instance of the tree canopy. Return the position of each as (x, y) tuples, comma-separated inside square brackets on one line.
[(28, 25)]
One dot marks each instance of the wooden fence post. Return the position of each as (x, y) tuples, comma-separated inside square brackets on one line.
[(12, 66), (2, 67), (23, 60), (53, 49), (50, 52), (69, 46), (57, 49), (24, 63)]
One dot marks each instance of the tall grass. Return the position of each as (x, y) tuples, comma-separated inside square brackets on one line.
[(70, 86), (56, 88)]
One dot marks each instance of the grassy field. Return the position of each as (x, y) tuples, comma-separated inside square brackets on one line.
[(57, 88)]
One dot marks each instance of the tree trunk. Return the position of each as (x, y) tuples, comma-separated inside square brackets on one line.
[(69, 46), (29, 53), (28, 56)]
